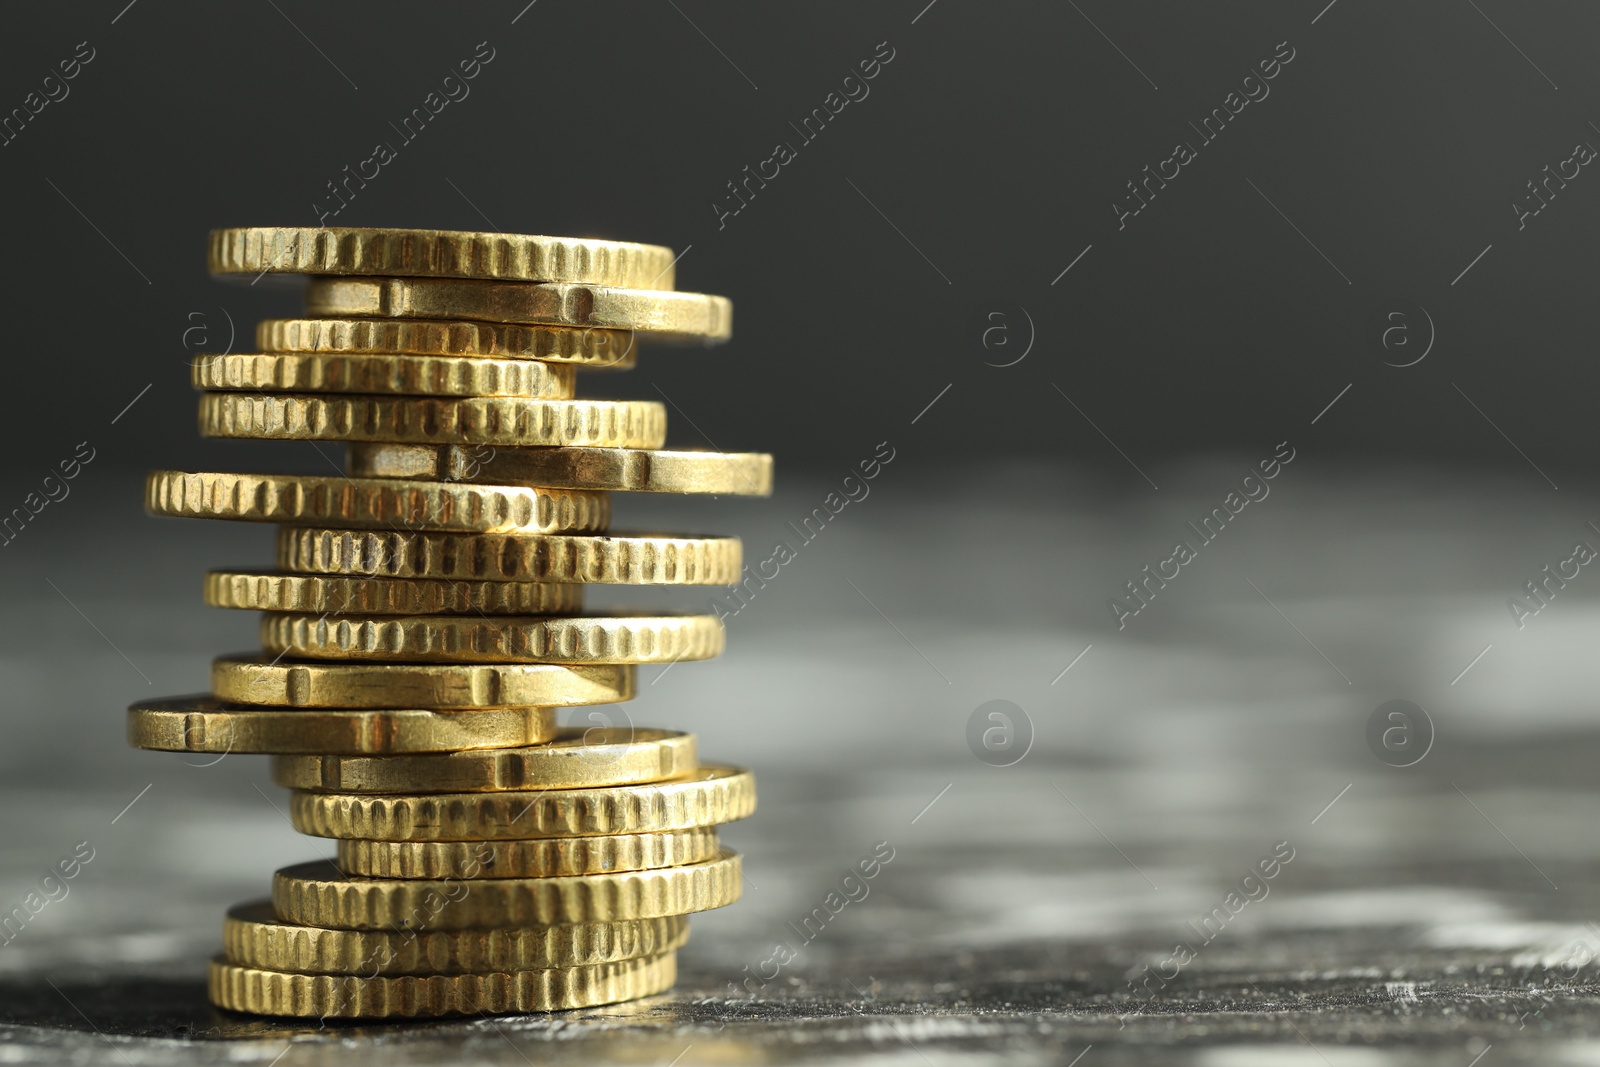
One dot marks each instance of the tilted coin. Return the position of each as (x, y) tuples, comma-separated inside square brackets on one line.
[(434, 420), (527, 859), (374, 502), (711, 796), (253, 936), (265, 992), (636, 469), (319, 894), (203, 724), (502, 639), (587, 348), (437, 254), (336, 372), (576, 758), (612, 559), (666, 316), (386, 596), (274, 681)]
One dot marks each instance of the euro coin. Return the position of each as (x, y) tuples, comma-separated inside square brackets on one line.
[(263, 992), (204, 724), (257, 591), (527, 859), (373, 502), (260, 250), (640, 470), (665, 316), (253, 936), (586, 348), (503, 639), (434, 420), (333, 372), (318, 894), (711, 796), (271, 680), (576, 758), (612, 559)]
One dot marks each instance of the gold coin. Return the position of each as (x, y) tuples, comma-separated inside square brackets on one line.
[(380, 502), (638, 470), (711, 796), (438, 254), (202, 724), (253, 936), (434, 420), (259, 680), (666, 316), (334, 372), (590, 349), (527, 859), (386, 596), (318, 894), (505, 639), (576, 758), (309, 996), (613, 559)]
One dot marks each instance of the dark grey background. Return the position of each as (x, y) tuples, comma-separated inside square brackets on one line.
[(996, 142), (1437, 913)]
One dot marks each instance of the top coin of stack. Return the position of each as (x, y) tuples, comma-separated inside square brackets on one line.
[(425, 624)]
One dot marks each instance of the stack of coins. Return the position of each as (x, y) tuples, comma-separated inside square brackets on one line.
[(425, 625)]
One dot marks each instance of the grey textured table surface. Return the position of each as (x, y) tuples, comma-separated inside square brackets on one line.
[(1430, 914)]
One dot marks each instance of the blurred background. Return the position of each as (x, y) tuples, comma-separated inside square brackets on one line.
[(1087, 272)]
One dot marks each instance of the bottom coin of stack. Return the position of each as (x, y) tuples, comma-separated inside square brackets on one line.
[(546, 877)]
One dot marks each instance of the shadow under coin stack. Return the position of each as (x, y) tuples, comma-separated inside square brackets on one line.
[(425, 624)]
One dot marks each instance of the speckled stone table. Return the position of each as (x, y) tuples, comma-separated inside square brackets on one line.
[(1105, 898)]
